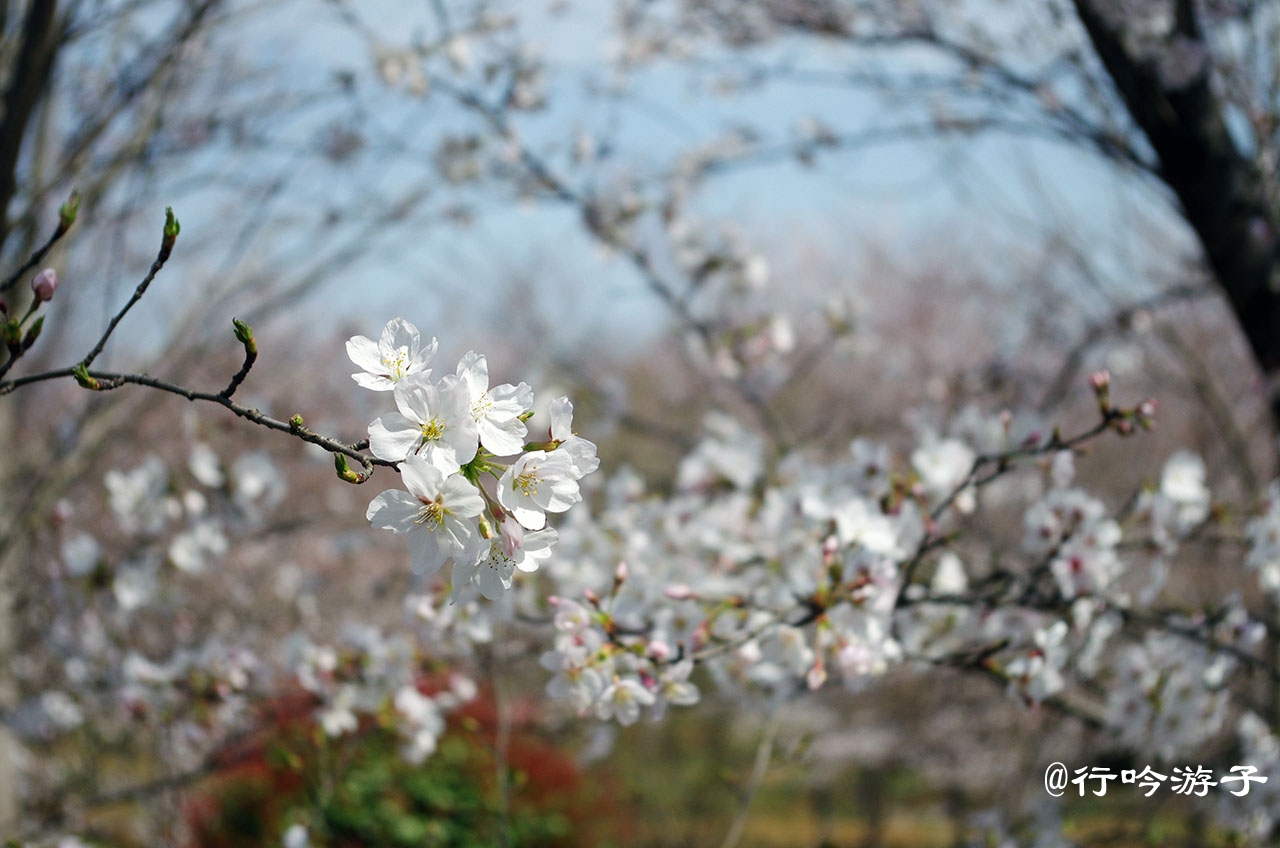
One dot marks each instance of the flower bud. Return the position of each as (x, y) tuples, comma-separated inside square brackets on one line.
[(171, 230), (678, 592), (45, 284), (1100, 382), (67, 213), (816, 676), (1145, 414), (32, 334)]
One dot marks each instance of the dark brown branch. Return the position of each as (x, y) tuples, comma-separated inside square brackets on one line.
[(249, 358), (107, 381), (245, 336)]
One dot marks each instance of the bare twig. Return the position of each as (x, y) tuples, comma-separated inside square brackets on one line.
[(35, 258), (166, 248)]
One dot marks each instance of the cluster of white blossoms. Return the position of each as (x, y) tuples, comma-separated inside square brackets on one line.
[(166, 519), (370, 670), (764, 575), (447, 435)]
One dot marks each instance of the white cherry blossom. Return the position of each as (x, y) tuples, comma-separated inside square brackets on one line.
[(496, 411), (511, 549), (433, 421), (581, 451), (622, 700), (435, 514), (398, 353), (537, 483)]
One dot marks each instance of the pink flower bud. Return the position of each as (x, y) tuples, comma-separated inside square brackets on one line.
[(45, 284), (678, 592), (817, 675), (1100, 380)]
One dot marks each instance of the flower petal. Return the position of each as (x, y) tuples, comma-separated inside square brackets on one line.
[(394, 509)]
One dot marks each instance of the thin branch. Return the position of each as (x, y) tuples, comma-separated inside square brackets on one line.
[(764, 753), (107, 381), (245, 335), (166, 247), (1220, 411), (976, 478), (34, 259), (1118, 320)]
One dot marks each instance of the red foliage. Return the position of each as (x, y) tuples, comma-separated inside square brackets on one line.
[(256, 780)]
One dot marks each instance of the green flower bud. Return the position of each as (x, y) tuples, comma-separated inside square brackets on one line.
[(244, 335), (68, 211)]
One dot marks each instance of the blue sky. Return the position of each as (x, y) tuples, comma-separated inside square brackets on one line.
[(992, 195)]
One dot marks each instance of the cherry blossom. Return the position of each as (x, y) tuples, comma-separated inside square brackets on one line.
[(398, 353), (496, 411), (580, 451), (537, 483), (433, 421), (434, 514)]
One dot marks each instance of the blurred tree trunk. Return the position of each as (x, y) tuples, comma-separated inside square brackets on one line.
[(871, 801), (28, 80), (958, 812), (823, 802), (1219, 188), (32, 60)]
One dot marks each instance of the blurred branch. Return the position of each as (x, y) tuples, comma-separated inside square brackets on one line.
[(987, 468), (560, 189), (1119, 321), (34, 259), (764, 753), (105, 381), (1206, 390), (170, 46)]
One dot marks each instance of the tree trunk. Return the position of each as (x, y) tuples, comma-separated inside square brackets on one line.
[(1220, 190)]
